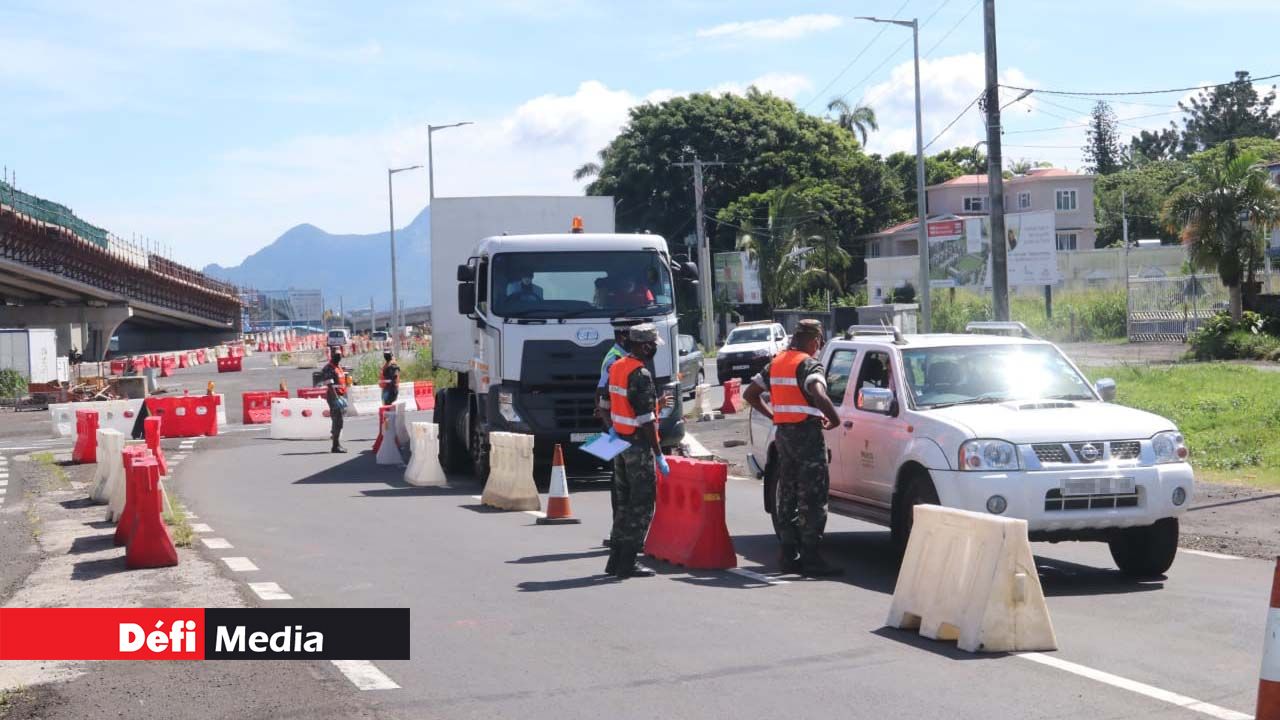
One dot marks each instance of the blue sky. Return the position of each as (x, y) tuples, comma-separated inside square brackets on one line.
[(213, 126)]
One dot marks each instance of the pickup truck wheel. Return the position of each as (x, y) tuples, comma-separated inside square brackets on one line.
[(1146, 552), (916, 489), (771, 486)]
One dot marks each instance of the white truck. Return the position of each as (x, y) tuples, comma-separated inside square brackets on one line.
[(994, 424), (522, 298)]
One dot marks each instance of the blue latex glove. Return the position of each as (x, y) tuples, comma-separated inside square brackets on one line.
[(663, 467), (613, 433)]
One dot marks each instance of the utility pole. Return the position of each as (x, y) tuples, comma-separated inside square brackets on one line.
[(342, 313), (704, 254), (1124, 223), (372, 328), (995, 164)]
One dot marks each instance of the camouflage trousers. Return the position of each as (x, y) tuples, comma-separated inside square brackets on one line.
[(634, 483), (803, 482)]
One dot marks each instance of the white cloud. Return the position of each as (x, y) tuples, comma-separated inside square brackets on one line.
[(790, 28)]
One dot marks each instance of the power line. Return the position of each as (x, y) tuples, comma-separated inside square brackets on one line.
[(1079, 93), (1120, 121), (892, 54), (947, 34), (855, 59), (955, 120)]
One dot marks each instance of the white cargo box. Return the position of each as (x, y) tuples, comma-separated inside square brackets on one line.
[(33, 352)]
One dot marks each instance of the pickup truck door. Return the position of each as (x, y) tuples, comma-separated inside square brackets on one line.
[(839, 368), (873, 445)]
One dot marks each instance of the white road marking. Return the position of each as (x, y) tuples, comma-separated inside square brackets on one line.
[(3, 490), (535, 513), (216, 543), (4, 483), (269, 591), (476, 497), (758, 577), (739, 477), (696, 448), (239, 564), (200, 528), (1206, 553), (365, 675), (191, 515), (1134, 686)]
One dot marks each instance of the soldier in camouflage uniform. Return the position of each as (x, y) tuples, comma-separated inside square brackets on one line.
[(800, 409), (632, 408)]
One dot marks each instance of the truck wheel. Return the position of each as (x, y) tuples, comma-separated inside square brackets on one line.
[(916, 489), (479, 457), (449, 404), (1146, 552)]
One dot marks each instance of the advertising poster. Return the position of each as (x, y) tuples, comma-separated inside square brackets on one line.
[(960, 251), (738, 278), (1033, 248)]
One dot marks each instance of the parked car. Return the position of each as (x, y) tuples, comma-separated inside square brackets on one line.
[(338, 337), (748, 349), (380, 337), (690, 359), (1000, 425)]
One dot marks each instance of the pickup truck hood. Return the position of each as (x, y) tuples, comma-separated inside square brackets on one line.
[(1031, 421), (745, 347)]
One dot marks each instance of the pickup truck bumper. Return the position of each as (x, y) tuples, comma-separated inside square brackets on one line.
[(1037, 497)]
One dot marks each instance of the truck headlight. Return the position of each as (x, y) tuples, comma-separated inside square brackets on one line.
[(1169, 447), (762, 352), (983, 455), (506, 408)]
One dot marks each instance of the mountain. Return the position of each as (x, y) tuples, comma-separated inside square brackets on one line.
[(353, 267)]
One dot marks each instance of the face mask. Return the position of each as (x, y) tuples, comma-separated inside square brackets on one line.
[(386, 357), (337, 359), (526, 281)]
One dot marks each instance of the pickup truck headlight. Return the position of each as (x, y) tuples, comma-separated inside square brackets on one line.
[(1169, 447), (986, 455), (762, 352), (506, 408)]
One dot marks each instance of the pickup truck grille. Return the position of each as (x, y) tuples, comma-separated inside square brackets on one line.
[(1087, 452), (1055, 502)]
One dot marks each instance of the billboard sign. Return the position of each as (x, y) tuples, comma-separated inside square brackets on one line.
[(960, 251), (738, 278)]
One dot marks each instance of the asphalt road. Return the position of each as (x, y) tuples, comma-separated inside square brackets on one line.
[(514, 619)]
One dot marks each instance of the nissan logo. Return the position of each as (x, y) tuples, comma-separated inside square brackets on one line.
[(1090, 453), (588, 335)]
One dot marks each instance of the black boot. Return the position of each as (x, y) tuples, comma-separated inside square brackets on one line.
[(812, 564), (337, 447), (611, 568), (789, 560), (628, 566), (606, 542)]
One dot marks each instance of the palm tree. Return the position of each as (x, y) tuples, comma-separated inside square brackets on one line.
[(1222, 214), (855, 119), (793, 250), (592, 169)]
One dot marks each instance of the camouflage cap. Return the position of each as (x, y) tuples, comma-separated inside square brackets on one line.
[(645, 332), (811, 328)]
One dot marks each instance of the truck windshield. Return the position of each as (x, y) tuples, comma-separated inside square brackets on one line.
[(581, 284), (991, 373)]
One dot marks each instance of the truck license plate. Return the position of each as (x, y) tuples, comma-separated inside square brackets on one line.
[(1098, 486), (579, 437), (741, 367)]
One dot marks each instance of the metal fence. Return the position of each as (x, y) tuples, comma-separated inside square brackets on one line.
[(1168, 309)]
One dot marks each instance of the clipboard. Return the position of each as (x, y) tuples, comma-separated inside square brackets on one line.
[(603, 446)]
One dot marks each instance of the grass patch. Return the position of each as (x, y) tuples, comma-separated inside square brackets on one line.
[(48, 462), (369, 369), (176, 518), (285, 357), (1230, 415)]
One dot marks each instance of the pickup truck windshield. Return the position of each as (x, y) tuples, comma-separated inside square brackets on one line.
[(991, 373), (739, 336), (581, 284)]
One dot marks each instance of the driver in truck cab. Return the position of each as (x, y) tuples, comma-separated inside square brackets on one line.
[(797, 387)]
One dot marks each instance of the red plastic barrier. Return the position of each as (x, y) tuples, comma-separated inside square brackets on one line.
[(185, 416), (117, 367), (312, 392), (149, 544), (167, 365), (86, 449), (382, 419), (732, 398), (688, 523), (256, 406), (132, 455), (182, 360), (200, 357), (424, 394), (229, 364), (151, 430)]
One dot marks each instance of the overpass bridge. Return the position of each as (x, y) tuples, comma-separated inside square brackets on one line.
[(358, 320), (57, 271)]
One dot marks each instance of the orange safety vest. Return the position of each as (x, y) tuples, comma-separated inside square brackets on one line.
[(341, 385), (789, 403), (624, 416)]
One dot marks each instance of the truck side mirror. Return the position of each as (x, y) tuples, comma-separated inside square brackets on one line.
[(689, 271), (466, 273), (1106, 387), (466, 298)]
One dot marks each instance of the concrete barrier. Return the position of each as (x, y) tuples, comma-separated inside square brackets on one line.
[(299, 419), (364, 399), (424, 461), (970, 577), (389, 449), (510, 485), (110, 445)]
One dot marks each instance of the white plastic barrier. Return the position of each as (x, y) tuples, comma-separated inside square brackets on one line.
[(970, 577), (222, 410), (389, 448), (210, 356), (192, 360), (119, 415), (402, 422), (424, 462), (364, 399), (222, 351), (110, 444), (115, 490), (64, 420), (510, 485), (701, 400), (299, 419)]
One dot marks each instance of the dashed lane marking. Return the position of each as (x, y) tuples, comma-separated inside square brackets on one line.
[(1134, 686), (758, 577), (239, 564), (1206, 553), (476, 497), (269, 591), (4, 483), (365, 675), (201, 528), (535, 513), (216, 543), (696, 448)]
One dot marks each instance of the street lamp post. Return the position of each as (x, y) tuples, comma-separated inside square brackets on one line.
[(921, 199), (431, 176), (395, 295)]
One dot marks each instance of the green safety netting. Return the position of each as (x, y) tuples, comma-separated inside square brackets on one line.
[(52, 213)]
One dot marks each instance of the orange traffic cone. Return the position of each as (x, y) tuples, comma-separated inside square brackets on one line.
[(1269, 679), (558, 512)]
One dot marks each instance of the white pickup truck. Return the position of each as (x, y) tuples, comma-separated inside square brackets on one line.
[(996, 424)]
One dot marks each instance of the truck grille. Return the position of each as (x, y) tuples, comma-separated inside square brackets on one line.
[(1079, 453), (575, 414), (1055, 502)]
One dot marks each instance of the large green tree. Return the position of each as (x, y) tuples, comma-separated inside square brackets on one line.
[(1156, 146), (1223, 213), (765, 141), (937, 169), (1140, 192), (1229, 111)]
